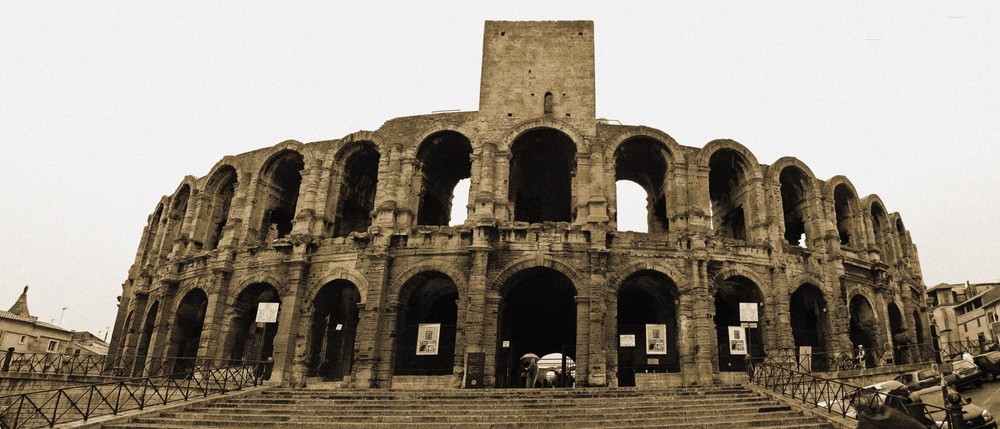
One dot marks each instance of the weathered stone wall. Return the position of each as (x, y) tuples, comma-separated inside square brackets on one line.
[(853, 247)]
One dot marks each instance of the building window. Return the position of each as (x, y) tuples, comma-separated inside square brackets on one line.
[(978, 323), (23, 340), (53, 345)]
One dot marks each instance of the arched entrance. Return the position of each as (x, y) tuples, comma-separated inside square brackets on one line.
[(444, 160), (647, 310), (807, 314), (333, 329), (863, 327), (185, 334), (145, 338), (278, 193), (249, 340), (426, 325), (643, 162), (730, 293), (728, 172), (537, 314)]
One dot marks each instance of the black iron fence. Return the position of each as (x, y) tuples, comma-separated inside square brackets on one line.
[(846, 360), (199, 378), (99, 365), (844, 399)]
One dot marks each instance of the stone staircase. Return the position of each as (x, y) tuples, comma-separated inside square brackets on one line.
[(686, 407)]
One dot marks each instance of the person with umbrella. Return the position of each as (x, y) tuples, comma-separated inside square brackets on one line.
[(530, 372)]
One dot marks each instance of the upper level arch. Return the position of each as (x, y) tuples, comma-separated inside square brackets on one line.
[(796, 188), (732, 170), (674, 152), (522, 128), (847, 210), (882, 229), (277, 192), (646, 162), (443, 159), (542, 168), (219, 190), (352, 187)]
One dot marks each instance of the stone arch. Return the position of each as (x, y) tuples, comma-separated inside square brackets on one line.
[(333, 323), (469, 133), (522, 128), (151, 317), (704, 155), (796, 188), (220, 189), (646, 305), (152, 228), (276, 191), (673, 148), (443, 267), (863, 325), (443, 159), (647, 162), (898, 329), (180, 204), (426, 298), (353, 185), (186, 327), (881, 228), (730, 270), (496, 284), (257, 277), (360, 136), (542, 169), (348, 274), (901, 236), (808, 316), (245, 339), (619, 276), (729, 293), (847, 211), (733, 175)]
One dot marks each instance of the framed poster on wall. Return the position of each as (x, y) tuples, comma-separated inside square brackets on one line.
[(656, 339), (737, 340), (428, 335)]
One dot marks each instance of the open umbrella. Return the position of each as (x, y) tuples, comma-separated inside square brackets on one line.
[(529, 356)]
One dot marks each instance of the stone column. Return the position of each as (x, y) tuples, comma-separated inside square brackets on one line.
[(158, 341), (502, 188), (583, 343), (131, 338), (597, 210), (285, 340), (372, 331), (485, 193), (703, 345), (595, 320), (212, 344)]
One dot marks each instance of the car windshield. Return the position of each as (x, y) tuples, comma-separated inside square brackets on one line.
[(927, 373)]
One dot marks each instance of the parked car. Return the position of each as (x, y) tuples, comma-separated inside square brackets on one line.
[(922, 379), (864, 396), (975, 417), (966, 374), (989, 364)]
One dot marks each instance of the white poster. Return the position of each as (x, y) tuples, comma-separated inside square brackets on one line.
[(626, 340), (737, 340), (748, 312), (427, 338), (656, 339), (267, 312)]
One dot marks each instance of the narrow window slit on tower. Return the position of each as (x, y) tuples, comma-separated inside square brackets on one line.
[(548, 103)]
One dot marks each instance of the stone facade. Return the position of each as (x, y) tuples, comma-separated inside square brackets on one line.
[(351, 236)]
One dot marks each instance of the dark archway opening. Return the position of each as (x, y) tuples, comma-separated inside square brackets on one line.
[(900, 339), (186, 332), (543, 163), (334, 327), (808, 316), (426, 326), (730, 293), (154, 226), (647, 303), (145, 338), (845, 204), (444, 159), (356, 199), (223, 187), (537, 315), (280, 193), (249, 340), (644, 161), (726, 188), (175, 220), (863, 328), (880, 221), (794, 205)]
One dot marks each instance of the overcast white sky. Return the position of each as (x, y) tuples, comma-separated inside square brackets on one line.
[(106, 106)]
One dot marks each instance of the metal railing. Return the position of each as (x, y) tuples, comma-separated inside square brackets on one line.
[(846, 360), (100, 365), (199, 378), (843, 399)]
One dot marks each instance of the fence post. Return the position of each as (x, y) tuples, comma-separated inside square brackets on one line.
[(7, 358)]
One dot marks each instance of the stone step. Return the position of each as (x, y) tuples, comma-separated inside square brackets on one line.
[(659, 411), (713, 421)]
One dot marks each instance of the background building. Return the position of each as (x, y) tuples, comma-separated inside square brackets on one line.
[(377, 288)]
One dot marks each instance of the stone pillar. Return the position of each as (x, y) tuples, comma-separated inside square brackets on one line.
[(286, 341), (502, 188), (583, 349), (485, 193), (212, 343), (597, 356), (407, 212), (372, 331), (490, 335), (476, 308), (158, 342), (131, 338), (597, 210)]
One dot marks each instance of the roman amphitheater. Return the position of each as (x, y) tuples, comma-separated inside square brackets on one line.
[(379, 287)]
